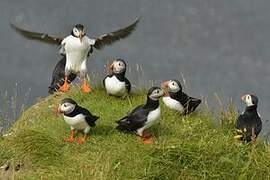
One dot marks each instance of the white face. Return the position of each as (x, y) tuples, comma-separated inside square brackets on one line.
[(173, 86), (156, 94), (248, 100), (78, 33), (66, 107), (118, 66)]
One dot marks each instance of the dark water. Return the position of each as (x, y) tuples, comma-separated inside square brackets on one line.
[(219, 46)]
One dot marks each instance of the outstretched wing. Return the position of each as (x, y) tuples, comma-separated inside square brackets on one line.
[(36, 35), (107, 39)]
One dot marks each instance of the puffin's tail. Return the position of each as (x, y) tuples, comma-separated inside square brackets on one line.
[(193, 104), (94, 118), (122, 124)]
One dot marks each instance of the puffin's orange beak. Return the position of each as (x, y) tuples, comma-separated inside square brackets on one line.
[(58, 111), (165, 84), (243, 98), (110, 68), (81, 36)]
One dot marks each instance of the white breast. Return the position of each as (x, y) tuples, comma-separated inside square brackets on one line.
[(152, 118), (76, 52), (173, 104), (114, 86), (76, 122)]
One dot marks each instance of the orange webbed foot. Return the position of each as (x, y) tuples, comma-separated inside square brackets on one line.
[(147, 140), (85, 88), (69, 140), (82, 139), (65, 86)]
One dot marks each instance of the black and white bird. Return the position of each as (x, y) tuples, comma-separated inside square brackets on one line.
[(143, 116), (177, 100), (116, 83), (249, 124), (78, 118), (77, 47), (58, 76)]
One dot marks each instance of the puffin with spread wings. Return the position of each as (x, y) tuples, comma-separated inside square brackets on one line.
[(77, 47)]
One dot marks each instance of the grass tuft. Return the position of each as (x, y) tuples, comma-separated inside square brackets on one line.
[(186, 147)]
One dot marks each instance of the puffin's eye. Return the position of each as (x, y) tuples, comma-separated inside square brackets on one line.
[(65, 105), (119, 64)]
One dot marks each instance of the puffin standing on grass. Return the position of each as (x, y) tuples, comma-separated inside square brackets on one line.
[(177, 100), (77, 47), (248, 124), (78, 118), (116, 83), (143, 116)]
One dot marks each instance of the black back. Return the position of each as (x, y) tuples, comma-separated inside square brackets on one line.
[(138, 116), (189, 103), (58, 76), (249, 120), (89, 118)]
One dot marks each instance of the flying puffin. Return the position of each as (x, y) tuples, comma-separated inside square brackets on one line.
[(78, 118), (143, 116), (58, 76), (177, 100), (77, 47), (116, 83), (248, 124)]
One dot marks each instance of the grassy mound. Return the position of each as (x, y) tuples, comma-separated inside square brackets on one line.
[(186, 147)]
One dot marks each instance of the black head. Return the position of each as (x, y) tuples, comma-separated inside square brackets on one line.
[(68, 100), (172, 86), (155, 93), (118, 66), (250, 100), (78, 31)]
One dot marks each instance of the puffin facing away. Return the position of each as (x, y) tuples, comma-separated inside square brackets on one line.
[(143, 116), (177, 100), (77, 47), (59, 75), (116, 83), (249, 124), (78, 118)]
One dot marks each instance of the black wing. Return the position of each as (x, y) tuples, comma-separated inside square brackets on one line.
[(90, 119), (37, 36), (240, 122), (128, 85), (258, 128), (134, 120), (109, 38)]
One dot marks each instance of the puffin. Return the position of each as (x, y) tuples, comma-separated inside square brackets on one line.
[(77, 47), (249, 124), (58, 76), (143, 116), (78, 118), (116, 83), (177, 100)]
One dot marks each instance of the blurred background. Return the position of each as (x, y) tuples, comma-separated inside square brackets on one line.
[(218, 47)]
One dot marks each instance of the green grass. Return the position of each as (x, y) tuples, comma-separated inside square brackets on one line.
[(186, 147)]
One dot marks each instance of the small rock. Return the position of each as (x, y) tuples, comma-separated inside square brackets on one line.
[(5, 167)]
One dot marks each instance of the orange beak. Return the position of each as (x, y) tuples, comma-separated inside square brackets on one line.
[(58, 111), (243, 98), (110, 68), (81, 36), (165, 86)]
